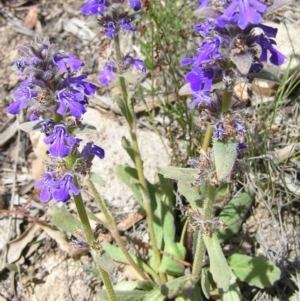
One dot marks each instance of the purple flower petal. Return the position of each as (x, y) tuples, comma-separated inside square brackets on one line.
[(135, 4), (22, 95), (63, 186), (66, 62), (107, 75), (93, 7), (91, 149), (60, 141), (47, 185), (73, 100)]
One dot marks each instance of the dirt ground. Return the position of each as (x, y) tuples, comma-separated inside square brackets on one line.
[(37, 263)]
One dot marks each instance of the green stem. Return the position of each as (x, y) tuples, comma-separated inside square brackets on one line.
[(207, 215), (90, 239), (226, 101), (207, 138), (111, 223), (139, 163)]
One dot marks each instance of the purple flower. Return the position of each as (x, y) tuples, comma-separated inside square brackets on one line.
[(66, 62), (249, 12), (219, 130), (91, 149), (80, 85), (204, 28), (22, 63), (47, 126), (62, 187), (47, 185), (124, 23), (73, 100), (93, 7), (266, 45), (60, 141), (135, 4), (201, 78), (209, 50), (131, 61), (107, 75), (240, 129), (22, 95), (201, 97), (110, 29)]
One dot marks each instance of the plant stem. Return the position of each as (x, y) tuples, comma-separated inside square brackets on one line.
[(226, 101), (207, 138), (207, 214), (138, 162), (200, 248), (90, 239), (111, 223)]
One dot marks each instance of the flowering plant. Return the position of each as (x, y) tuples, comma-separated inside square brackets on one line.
[(234, 44)]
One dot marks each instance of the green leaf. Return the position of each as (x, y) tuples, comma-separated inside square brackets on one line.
[(135, 295), (205, 283), (132, 285), (154, 295), (63, 219), (266, 75), (127, 113), (225, 156), (130, 78), (234, 293), (257, 271), (95, 178), (172, 288), (128, 147), (85, 128), (233, 215), (190, 193), (180, 174), (105, 261), (218, 265), (127, 174), (192, 292), (166, 200), (117, 255), (30, 126)]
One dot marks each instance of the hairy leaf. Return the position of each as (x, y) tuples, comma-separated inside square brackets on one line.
[(154, 295), (105, 261), (225, 156), (117, 255), (234, 293), (95, 178), (63, 219), (218, 265), (30, 126), (190, 193), (180, 174), (205, 283), (135, 295), (257, 271), (172, 288), (233, 215)]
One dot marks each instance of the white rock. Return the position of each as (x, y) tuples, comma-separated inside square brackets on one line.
[(108, 135)]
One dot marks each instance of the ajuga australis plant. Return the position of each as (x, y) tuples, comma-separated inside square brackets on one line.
[(234, 44)]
